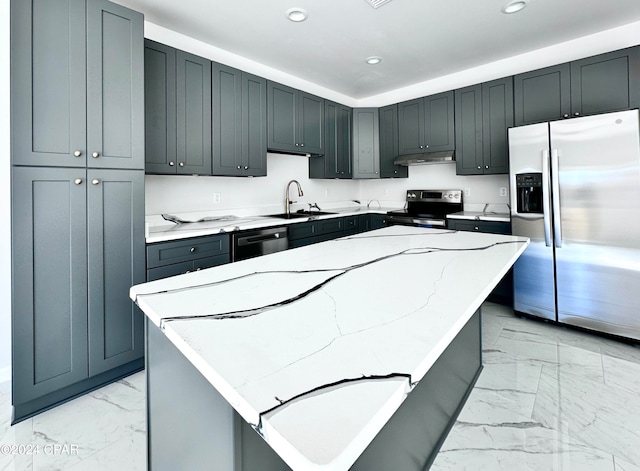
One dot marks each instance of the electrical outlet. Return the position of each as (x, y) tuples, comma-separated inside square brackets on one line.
[(503, 191), (467, 192), (216, 198)]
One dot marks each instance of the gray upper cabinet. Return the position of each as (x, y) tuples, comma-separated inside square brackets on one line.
[(484, 112), (366, 143), (177, 111), (160, 107), (598, 84), (69, 110), (389, 144), (336, 161), (295, 121), (193, 103), (426, 124), (239, 123)]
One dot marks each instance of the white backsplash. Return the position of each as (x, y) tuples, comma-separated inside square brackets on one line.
[(176, 194)]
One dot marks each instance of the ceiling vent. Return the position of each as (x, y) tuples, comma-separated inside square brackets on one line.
[(377, 3)]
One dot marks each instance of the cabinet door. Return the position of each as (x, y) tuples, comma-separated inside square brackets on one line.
[(254, 125), (116, 248), (336, 161), (48, 85), (389, 143), (227, 120), (542, 95), (115, 86), (468, 111), (193, 78), (160, 107), (497, 117), (310, 123), (607, 82), (438, 123), (366, 150), (49, 268), (282, 107), (411, 127)]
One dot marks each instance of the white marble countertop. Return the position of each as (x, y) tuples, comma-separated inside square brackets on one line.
[(322, 344), (160, 230), (481, 216)]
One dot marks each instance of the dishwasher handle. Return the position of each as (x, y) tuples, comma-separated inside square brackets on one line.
[(256, 239)]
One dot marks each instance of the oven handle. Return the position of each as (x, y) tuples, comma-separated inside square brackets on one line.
[(546, 200), (555, 188)]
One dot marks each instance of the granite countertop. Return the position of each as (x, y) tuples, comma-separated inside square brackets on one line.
[(332, 333), (160, 230)]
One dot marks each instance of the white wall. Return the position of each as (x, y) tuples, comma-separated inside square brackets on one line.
[(5, 198), (169, 194)]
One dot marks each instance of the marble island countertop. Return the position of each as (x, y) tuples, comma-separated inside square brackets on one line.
[(217, 222), (322, 344)]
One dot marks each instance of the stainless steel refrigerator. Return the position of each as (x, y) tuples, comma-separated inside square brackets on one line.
[(575, 192)]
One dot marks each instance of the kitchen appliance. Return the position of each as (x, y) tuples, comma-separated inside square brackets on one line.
[(575, 192), (427, 208), (257, 242)]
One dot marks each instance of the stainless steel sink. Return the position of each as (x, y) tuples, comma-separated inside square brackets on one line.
[(298, 214)]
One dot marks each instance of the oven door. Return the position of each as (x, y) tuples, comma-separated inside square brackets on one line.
[(408, 220)]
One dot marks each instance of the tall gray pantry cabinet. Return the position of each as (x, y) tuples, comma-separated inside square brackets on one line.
[(77, 124)]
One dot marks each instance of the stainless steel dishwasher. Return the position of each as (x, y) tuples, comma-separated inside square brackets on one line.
[(253, 243)]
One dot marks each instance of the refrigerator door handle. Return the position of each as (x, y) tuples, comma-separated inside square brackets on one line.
[(546, 201), (555, 189)]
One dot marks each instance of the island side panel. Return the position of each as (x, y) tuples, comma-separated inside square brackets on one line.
[(190, 425)]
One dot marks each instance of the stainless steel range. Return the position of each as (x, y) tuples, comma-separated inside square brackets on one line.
[(427, 208)]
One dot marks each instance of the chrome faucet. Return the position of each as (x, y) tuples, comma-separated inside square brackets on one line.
[(287, 201)]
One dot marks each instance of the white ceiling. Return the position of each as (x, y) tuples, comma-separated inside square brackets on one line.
[(418, 40)]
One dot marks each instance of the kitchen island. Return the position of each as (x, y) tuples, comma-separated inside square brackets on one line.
[(356, 353)]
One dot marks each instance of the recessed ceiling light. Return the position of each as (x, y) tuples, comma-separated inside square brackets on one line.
[(373, 60), (514, 6), (296, 14)]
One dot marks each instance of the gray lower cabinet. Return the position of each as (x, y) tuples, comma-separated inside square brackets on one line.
[(598, 84), (295, 120), (388, 116), (78, 245), (71, 60), (426, 124), (366, 143), (370, 222), (484, 112), (171, 258), (336, 161), (239, 122), (177, 111)]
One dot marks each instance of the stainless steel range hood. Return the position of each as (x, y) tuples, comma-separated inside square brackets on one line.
[(426, 158)]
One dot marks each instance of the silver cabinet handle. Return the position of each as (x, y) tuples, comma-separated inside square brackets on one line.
[(555, 189), (566, 115), (476, 228), (576, 114), (301, 145), (95, 181), (246, 167), (486, 166), (181, 164), (421, 147), (78, 181), (193, 249), (95, 155), (78, 153), (239, 167), (479, 167), (297, 145), (171, 164)]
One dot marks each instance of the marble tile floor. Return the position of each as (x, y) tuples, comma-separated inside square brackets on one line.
[(549, 398)]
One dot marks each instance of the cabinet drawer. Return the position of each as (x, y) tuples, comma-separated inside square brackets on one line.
[(169, 270), (329, 225), (167, 253), (351, 224), (493, 227), (301, 230)]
